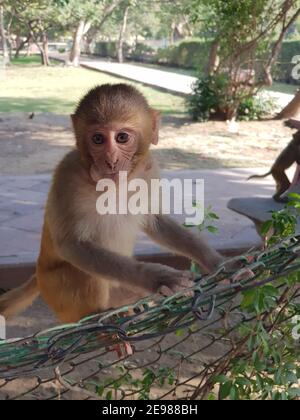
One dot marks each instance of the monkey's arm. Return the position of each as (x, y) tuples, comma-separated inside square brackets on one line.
[(101, 262), (292, 123), (168, 233)]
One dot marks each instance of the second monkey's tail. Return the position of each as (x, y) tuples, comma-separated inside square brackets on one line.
[(259, 176), (19, 299)]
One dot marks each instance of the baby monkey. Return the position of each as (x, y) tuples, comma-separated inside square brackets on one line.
[(86, 262)]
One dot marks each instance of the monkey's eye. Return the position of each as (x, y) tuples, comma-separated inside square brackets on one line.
[(122, 137), (98, 139)]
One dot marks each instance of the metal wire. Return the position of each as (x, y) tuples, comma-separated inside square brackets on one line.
[(181, 340)]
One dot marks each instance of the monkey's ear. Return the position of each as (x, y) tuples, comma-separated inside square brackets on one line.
[(156, 117)]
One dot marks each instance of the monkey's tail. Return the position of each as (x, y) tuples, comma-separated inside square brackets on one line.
[(259, 176), (18, 299)]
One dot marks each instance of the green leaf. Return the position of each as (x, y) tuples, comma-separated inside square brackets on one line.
[(213, 216), (267, 226), (234, 393), (212, 229), (294, 392), (243, 382), (100, 390), (180, 332), (221, 379), (249, 298), (108, 395), (225, 390)]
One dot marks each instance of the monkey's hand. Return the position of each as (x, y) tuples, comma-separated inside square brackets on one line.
[(166, 280), (237, 272), (292, 123)]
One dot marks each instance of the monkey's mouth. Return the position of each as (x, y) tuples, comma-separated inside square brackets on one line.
[(111, 174)]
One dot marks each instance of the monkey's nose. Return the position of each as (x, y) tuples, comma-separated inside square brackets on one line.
[(112, 165)]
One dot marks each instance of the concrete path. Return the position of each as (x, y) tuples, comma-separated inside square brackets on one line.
[(171, 82), (165, 80), (22, 201)]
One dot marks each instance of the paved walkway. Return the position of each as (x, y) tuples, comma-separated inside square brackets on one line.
[(22, 201), (171, 82)]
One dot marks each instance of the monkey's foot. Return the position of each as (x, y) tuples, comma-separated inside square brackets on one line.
[(123, 349), (243, 274), (280, 199)]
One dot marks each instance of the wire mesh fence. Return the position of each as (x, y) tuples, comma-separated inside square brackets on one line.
[(158, 348)]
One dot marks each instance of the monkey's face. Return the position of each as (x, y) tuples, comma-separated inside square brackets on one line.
[(111, 149), (114, 127)]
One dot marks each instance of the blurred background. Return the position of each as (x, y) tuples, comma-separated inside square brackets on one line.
[(201, 63)]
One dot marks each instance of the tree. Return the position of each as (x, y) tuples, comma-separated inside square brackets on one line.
[(82, 16), (120, 54), (173, 19), (34, 18), (246, 40), (3, 34)]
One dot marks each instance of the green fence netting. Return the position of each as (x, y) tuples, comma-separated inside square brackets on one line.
[(178, 344)]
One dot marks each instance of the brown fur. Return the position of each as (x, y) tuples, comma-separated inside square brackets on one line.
[(85, 264), (285, 160), (18, 299)]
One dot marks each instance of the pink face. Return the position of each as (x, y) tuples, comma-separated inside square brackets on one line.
[(111, 149)]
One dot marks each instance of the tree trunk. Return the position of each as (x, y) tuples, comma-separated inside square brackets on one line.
[(20, 46), (30, 43), (292, 110), (75, 53), (6, 60), (120, 54), (214, 59), (89, 39), (88, 45), (45, 50), (83, 28), (42, 48), (172, 33)]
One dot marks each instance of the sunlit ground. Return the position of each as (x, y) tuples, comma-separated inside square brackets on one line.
[(36, 146)]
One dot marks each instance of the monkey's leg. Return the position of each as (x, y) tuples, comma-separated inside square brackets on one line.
[(282, 185), (73, 294), (79, 296)]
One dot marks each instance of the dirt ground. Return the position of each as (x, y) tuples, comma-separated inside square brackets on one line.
[(34, 146)]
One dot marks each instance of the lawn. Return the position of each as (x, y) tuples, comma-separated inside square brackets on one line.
[(284, 88), (28, 87)]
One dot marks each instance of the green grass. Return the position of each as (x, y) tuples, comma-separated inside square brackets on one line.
[(283, 88), (32, 60), (28, 87)]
